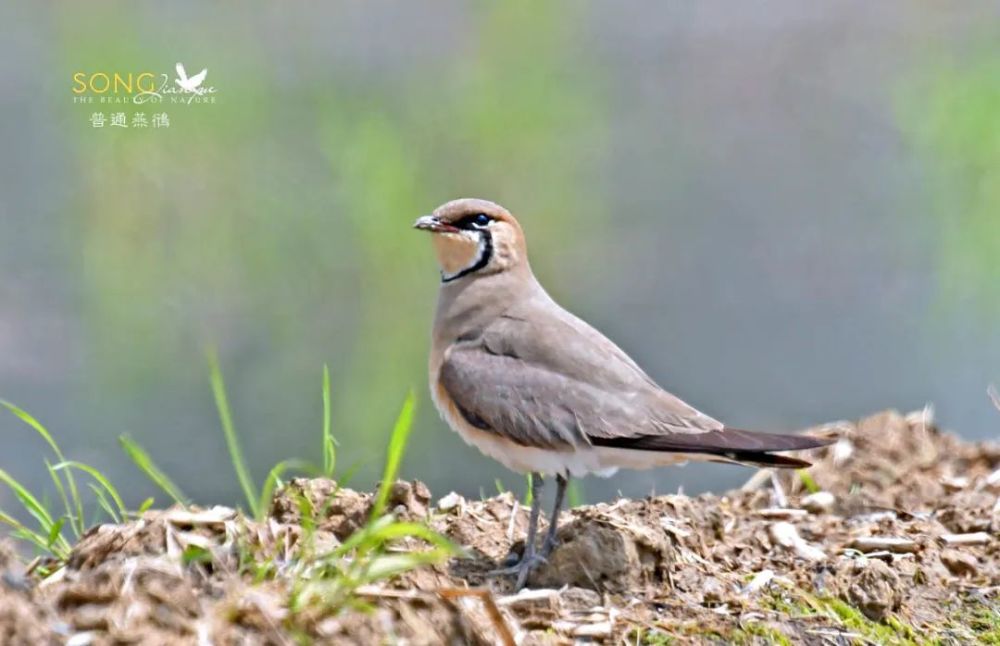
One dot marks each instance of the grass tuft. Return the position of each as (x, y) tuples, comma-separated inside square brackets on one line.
[(101, 487), (229, 430), (49, 536), (329, 580), (367, 556), (72, 502), (329, 448), (394, 453)]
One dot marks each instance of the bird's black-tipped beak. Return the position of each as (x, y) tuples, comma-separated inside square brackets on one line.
[(433, 224)]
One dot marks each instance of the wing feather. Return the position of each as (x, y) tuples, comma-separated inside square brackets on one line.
[(525, 403), (557, 383)]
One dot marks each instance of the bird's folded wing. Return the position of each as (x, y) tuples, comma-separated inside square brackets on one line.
[(526, 404), (531, 405), (559, 343)]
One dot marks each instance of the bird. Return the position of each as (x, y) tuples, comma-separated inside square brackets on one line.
[(190, 84), (541, 391)]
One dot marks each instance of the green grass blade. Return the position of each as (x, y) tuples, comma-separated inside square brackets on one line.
[(55, 532), (57, 481), (362, 535), (28, 501), (101, 480), (389, 565), (104, 503), (372, 562), (22, 532), (145, 463), (402, 529), (574, 493), (329, 451), (77, 509), (232, 440), (379, 531), (36, 509), (807, 481), (394, 454), (33, 423), (145, 506)]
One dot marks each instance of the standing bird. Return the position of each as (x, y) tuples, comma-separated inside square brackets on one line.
[(541, 391)]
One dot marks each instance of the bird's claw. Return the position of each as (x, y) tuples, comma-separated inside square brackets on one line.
[(522, 567), (551, 542), (527, 564)]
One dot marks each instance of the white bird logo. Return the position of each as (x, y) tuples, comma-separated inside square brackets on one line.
[(191, 84)]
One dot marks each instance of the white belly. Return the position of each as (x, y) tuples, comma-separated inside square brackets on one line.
[(529, 459)]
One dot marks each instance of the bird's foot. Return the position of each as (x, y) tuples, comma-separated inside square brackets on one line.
[(519, 565), (527, 564), (551, 542)]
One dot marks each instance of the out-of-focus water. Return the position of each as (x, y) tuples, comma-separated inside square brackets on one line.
[(780, 210)]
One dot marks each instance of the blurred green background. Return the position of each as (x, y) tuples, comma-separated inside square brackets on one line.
[(786, 211)]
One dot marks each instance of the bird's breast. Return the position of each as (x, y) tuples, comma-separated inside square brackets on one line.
[(516, 457)]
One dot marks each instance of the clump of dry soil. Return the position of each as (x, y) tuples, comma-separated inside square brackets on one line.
[(891, 535)]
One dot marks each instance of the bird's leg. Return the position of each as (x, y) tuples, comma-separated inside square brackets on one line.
[(529, 559), (550, 537)]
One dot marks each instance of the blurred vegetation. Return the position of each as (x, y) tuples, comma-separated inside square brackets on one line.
[(755, 203), (951, 114), (288, 244)]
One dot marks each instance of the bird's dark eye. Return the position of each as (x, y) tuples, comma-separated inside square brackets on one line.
[(477, 221)]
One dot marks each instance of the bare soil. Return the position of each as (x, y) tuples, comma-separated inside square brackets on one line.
[(891, 537)]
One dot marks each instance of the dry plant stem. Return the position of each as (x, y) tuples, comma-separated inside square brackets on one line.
[(496, 618)]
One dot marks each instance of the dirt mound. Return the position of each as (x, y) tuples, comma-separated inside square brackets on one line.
[(890, 536)]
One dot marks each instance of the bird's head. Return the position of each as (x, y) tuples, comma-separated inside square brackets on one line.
[(474, 238)]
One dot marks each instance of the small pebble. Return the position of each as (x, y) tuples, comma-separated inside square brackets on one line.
[(820, 502), (786, 535), (960, 563), (451, 501)]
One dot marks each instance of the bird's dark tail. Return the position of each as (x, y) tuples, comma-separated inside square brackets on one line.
[(727, 445)]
